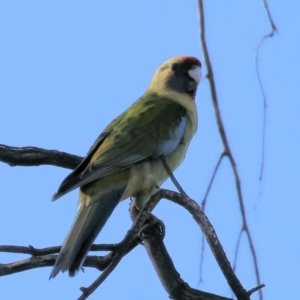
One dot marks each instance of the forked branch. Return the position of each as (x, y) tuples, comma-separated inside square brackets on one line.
[(153, 243), (226, 148)]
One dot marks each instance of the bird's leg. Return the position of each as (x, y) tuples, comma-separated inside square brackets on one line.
[(171, 175), (151, 222)]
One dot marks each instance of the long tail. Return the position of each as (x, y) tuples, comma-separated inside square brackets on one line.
[(86, 227)]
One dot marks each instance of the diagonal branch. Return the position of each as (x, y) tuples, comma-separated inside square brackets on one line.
[(212, 240), (45, 257), (170, 278), (168, 275), (131, 238), (203, 204), (222, 132)]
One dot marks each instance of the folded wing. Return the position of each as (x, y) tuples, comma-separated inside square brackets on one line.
[(131, 139)]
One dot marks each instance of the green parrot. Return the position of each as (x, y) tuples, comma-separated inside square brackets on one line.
[(125, 159)]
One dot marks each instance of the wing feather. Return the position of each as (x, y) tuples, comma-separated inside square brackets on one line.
[(148, 129)]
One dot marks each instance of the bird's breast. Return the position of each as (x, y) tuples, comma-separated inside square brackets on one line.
[(151, 173)]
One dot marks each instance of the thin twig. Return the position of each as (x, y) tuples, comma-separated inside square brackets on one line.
[(86, 292), (212, 180), (237, 249), (203, 203), (265, 103), (222, 132), (250, 292)]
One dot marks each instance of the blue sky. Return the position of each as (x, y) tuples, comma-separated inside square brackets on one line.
[(68, 68)]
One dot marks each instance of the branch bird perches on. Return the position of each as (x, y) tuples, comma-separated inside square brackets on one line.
[(170, 278)]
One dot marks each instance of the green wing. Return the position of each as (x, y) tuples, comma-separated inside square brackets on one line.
[(151, 127)]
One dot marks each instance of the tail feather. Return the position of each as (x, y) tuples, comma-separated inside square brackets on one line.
[(86, 227)]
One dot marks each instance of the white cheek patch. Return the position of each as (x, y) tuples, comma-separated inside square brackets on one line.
[(195, 74)]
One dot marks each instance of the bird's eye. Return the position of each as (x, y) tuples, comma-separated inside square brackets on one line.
[(194, 67)]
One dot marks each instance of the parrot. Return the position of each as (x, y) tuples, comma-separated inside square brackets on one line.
[(125, 160)]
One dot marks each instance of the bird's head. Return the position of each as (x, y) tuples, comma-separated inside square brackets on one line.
[(180, 74)]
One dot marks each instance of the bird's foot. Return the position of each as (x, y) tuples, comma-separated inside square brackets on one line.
[(152, 223)]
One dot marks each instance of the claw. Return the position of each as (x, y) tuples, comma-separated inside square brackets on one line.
[(152, 223)]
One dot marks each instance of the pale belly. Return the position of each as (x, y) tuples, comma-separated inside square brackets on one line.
[(147, 176)]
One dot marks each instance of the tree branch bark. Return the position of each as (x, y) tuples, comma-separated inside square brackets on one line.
[(158, 254), (33, 156), (227, 150)]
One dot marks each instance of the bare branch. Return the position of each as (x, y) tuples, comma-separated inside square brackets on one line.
[(250, 292), (274, 29), (265, 103), (33, 156), (27, 264), (51, 250), (203, 203), (237, 249), (29, 250), (86, 292), (168, 275), (212, 240), (129, 242), (222, 132), (212, 180), (43, 257)]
